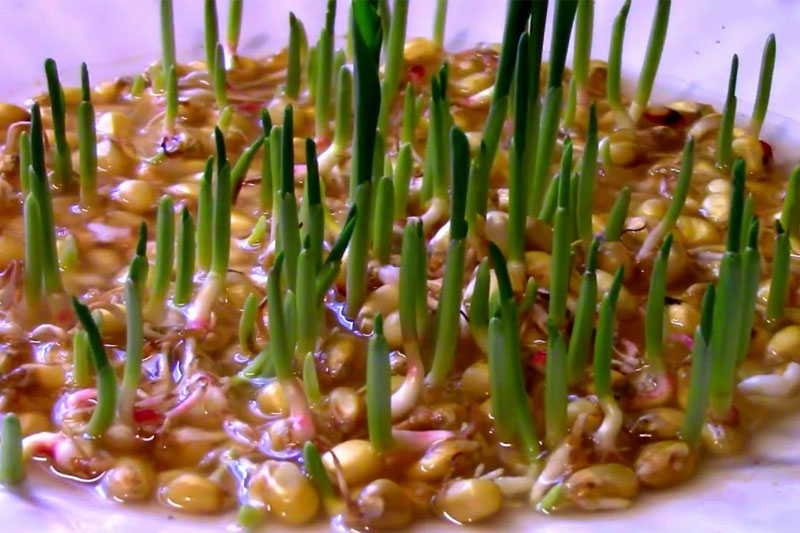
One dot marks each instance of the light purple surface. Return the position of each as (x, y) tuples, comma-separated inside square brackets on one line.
[(120, 37)]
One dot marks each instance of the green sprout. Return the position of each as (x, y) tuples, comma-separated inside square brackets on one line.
[(584, 319), (12, 467), (725, 134), (62, 156), (448, 314), (394, 61), (379, 409), (87, 143), (655, 46), (764, 86), (700, 378), (103, 415)]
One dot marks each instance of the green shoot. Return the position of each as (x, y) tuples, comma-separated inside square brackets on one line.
[(221, 212), (205, 208), (184, 269), (234, 25), (555, 386), (134, 345), (266, 188), (167, 37), (359, 251), (379, 410), (333, 263), (307, 306), (103, 414), (343, 121), (616, 217), (141, 251), (604, 342), (606, 434), (700, 378), (517, 196), (366, 31), (171, 112), (287, 215), (779, 285), (667, 224), (68, 254), (385, 15), (409, 125), (614, 73), (439, 20), (138, 86), (218, 78), (402, 180), (211, 32), (247, 321), (537, 25), (507, 356), (80, 360), (583, 42), (87, 143), (310, 380), (498, 381), (751, 272), (242, 166), (561, 256), (764, 86), (550, 200), (655, 46), (316, 471), (725, 134), (40, 188), (477, 189), (12, 467), (275, 154), (165, 256), (25, 162), (584, 319), (516, 18), (585, 198), (294, 68), (62, 157), (655, 311), (313, 209), (324, 73), (394, 62), (448, 314), (279, 334), (382, 230), (790, 214), (563, 19), (727, 307), (32, 280)]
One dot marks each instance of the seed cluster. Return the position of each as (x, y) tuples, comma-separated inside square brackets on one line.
[(379, 293)]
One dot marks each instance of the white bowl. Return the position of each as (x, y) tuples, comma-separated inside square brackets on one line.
[(754, 492)]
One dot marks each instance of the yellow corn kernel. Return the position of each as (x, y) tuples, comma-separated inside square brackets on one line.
[(192, 493), (271, 399), (287, 493), (138, 196), (470, 500), (131, 479), (475, 380), (360, 462)]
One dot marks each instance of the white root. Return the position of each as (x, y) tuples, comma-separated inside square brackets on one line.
[(405, 398), (606, 435), (554, 470), (435, 213), (779, 385)]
